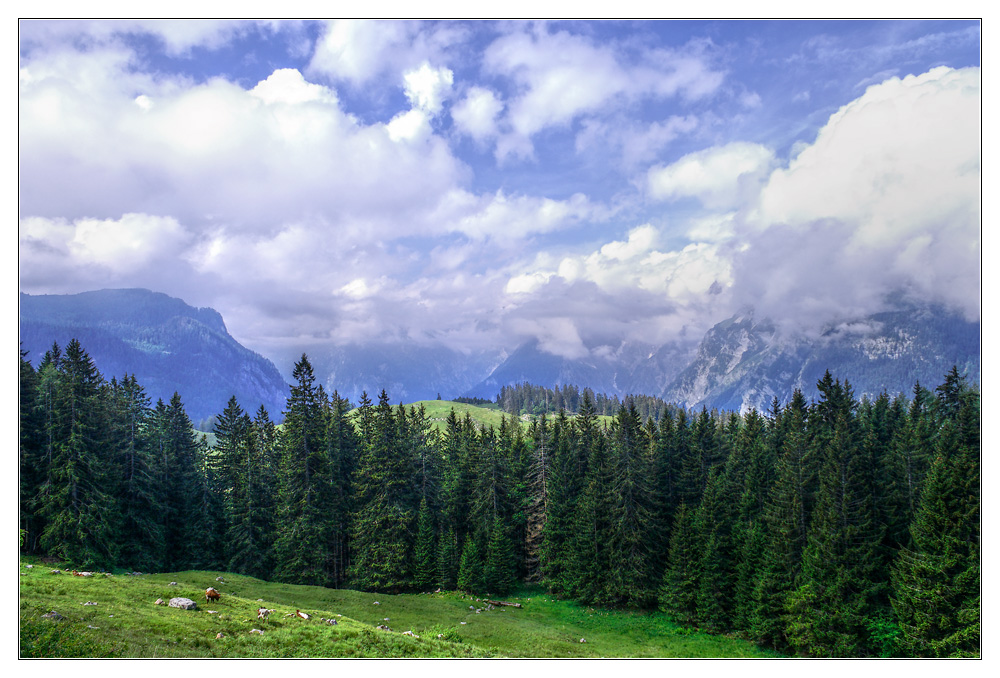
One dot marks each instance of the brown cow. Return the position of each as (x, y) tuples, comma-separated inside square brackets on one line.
[(212, 595)]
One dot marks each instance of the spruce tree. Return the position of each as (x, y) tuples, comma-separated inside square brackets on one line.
[(936, 584), (32, 467), (448, 560), (841, 562), (498, 569), (591, 552), (141, 500), (425, 573), (786, 519), (716, 564), (470, 569), (302, 549), (678, 593), (81, 519), (630, 576), (385, 510)]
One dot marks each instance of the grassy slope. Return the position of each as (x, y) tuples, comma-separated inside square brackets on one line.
[(129, 624), (437, 411)]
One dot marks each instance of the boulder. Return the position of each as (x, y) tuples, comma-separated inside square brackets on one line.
[(183, 603), (52, 615)]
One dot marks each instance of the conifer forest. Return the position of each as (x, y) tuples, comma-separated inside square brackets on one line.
[(842, 527)]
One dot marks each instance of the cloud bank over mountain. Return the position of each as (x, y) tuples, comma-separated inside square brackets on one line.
[(482, 185)]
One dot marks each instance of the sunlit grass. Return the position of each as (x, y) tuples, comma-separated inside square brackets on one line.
[(127, 623)]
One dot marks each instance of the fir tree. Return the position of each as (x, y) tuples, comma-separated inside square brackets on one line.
[(936, 584), (591, 559), (385, 510), (425, 572), (140, 499), (470, 569), (498, 570), (630, 576), (678, 594), (302, 549), (448, 560), (81, 521), (841, 561)]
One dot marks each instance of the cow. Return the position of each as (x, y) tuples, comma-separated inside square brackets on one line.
[(212, 595), (262, 613)]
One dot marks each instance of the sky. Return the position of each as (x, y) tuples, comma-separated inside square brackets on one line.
[(482, 184)]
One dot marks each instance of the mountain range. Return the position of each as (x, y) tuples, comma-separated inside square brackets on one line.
[(168, 345), (741, 363)]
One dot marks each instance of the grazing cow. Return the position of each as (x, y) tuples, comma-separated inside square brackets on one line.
[(303, 615), (212, 595), (262, 613)]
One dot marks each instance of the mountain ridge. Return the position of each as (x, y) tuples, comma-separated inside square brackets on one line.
[(742, 362), (167, 344)]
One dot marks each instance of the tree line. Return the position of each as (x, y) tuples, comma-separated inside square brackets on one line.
[(833, 528), (530, 399)]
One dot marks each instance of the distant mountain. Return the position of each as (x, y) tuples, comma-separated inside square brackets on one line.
[(743, 363), (407, 373), (632, 368), (168, 345), (740, 363)]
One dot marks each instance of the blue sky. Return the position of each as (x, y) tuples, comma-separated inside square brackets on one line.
[(479, 184)]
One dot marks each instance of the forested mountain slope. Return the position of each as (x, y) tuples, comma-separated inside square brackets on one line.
[(168, 345)]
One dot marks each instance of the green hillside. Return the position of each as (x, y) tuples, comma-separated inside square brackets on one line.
[(438, 410), (126, 622)]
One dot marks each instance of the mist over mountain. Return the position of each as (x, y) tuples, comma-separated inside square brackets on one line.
[(168, 345), (744, 363), (741, 363), (407, 372)]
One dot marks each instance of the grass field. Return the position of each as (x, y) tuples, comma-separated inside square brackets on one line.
[(438, 410), (125, 622)]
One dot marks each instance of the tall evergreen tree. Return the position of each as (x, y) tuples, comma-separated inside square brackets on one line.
[(342, 446), (32, 466), (302, 549), (936, 584), (786, 519), (141, 500), (425, 573), (678, 593), (630, 576), (385, 507), (841, 561), (78, 507), (592, 557)]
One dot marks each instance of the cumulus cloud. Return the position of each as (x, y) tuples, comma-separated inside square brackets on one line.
[(356, 51), (721, 177), (308, 219), (561, 76), (476, 115), (888, 199), (427, 87)]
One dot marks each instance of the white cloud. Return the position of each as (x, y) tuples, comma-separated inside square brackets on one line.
[(409, 126), (720, 177), (357, 50), (886, 200), (287, 86), (560, 77), (476, 115), (427, 87)]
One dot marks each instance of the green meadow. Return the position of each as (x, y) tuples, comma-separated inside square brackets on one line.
[(126, 622)]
